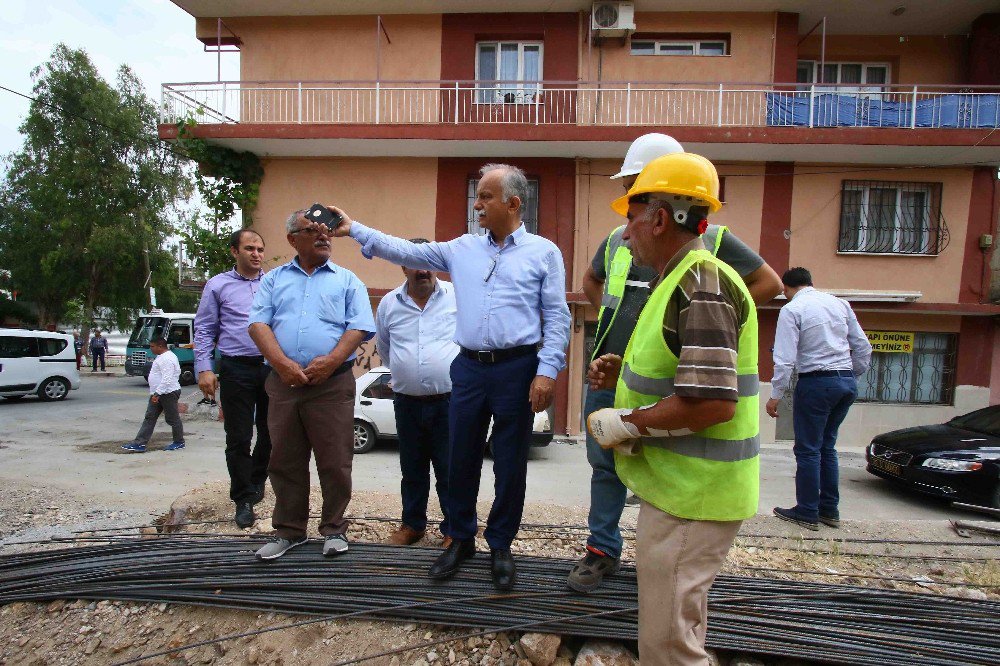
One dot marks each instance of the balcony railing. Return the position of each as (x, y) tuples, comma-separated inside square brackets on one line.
[(581, 103)]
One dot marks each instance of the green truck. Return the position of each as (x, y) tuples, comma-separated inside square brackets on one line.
[(177, 328)]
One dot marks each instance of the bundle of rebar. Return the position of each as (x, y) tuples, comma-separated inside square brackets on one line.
[(820, 622)]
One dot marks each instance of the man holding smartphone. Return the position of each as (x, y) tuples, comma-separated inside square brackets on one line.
[(512, 327)]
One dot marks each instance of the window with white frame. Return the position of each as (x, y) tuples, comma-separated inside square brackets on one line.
[(529, 208), (881, 217), (680, 47), (844, 75), (508, 72), (925, 376)]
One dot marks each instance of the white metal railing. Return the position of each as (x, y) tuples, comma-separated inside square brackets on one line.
[(581, 103)]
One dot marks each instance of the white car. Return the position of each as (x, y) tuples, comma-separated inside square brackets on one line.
[(37, 362), (375, 419)]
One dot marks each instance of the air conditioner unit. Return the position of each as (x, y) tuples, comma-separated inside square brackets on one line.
[(609, 19)]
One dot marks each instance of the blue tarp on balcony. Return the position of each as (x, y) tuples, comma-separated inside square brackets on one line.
[(831, 110)]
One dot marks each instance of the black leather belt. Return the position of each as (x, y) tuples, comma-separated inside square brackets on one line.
[(828, 373), (491, 356), (245, 360), (426, 398)]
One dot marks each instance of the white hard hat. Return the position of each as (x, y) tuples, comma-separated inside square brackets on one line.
[(644, 150)]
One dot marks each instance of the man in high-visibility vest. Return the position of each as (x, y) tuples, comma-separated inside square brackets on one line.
[(619, 288), (685, 425)]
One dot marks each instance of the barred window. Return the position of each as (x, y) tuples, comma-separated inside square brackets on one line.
[(529, 208), (881, 217), (924, 377)]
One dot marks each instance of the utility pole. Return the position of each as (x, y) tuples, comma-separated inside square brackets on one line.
[(148, 283)]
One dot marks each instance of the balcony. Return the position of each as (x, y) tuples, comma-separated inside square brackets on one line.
[(604, 104), (939, 125)]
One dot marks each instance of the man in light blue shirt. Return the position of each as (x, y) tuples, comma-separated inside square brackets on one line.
[(307, 319), (510, 287), (415, 331)]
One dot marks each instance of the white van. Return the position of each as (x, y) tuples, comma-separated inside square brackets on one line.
[(37, 362)]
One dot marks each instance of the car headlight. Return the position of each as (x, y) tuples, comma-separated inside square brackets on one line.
[(951, 465)]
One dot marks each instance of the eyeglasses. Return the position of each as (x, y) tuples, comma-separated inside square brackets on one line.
[(312, 231)]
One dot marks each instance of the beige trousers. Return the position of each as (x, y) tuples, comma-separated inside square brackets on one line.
[(676, 562)]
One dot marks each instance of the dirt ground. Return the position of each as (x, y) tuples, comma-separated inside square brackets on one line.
[(105, 632)]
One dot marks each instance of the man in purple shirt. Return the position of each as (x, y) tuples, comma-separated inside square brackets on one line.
[(221, 322)]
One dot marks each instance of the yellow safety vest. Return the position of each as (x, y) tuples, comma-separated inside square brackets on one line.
[(708, 475)]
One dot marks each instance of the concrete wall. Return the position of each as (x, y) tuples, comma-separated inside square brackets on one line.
[(750, 59), (865, 420), (916, 59), (324, 48), (369, 189), (816, 229)]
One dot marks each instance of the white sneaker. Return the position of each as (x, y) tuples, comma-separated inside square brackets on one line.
[(335, 544), (278, 547)]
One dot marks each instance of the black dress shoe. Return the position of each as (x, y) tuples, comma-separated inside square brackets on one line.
[(451, 559), (244, 515), (504, 574)]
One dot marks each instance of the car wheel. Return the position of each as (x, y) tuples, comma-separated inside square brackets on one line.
[(187, 376), (996, 498), (53, 388), (364, 437)]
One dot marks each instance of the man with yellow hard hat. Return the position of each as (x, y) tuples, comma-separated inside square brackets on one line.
[(685, 425), (619, 289)]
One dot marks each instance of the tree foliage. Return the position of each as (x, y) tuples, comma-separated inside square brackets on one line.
[(90, 192), (227, 179)]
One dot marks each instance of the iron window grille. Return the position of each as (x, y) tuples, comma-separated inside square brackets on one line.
[(529, 208), (882, 217), (924, 377)]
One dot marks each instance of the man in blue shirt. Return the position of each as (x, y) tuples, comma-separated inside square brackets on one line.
[(510, 287), (307, 319), (415, 338)]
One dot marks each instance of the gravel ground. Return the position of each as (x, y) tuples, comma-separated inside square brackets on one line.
[(107, 632)]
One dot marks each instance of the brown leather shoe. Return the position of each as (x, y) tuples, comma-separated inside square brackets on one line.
[(405, 536), (445, 542)]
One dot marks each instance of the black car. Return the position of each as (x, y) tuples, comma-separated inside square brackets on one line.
[(958, 460)]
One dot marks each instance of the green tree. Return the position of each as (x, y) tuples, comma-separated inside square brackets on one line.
[(90, 193)]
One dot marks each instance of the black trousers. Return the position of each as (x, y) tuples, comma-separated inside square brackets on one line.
[(244, 404)]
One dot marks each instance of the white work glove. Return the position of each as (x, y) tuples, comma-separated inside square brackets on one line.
[(608, 429)]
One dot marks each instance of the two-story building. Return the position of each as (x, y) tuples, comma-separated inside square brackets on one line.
[(859, 139)]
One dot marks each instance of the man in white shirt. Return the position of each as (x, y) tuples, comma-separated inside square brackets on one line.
[(819, 334), (164, 393), (415, 338)]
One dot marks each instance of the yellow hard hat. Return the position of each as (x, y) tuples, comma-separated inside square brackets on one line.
[(680, 174)]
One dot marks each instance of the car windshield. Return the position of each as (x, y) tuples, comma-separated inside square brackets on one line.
[(146, 329), (982, 420)]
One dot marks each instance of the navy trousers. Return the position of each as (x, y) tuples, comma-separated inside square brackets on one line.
[(479, 391), (422, 427), (820, 406)]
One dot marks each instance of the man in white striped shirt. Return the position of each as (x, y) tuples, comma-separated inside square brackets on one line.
[(164, 394)]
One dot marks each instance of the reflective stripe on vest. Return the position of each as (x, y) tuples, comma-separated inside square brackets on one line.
[(746, 385), (704, 448)]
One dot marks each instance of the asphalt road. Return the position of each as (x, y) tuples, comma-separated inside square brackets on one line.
[(73, 446)]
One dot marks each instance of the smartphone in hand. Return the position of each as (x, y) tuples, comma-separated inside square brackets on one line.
[(323, 215)]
